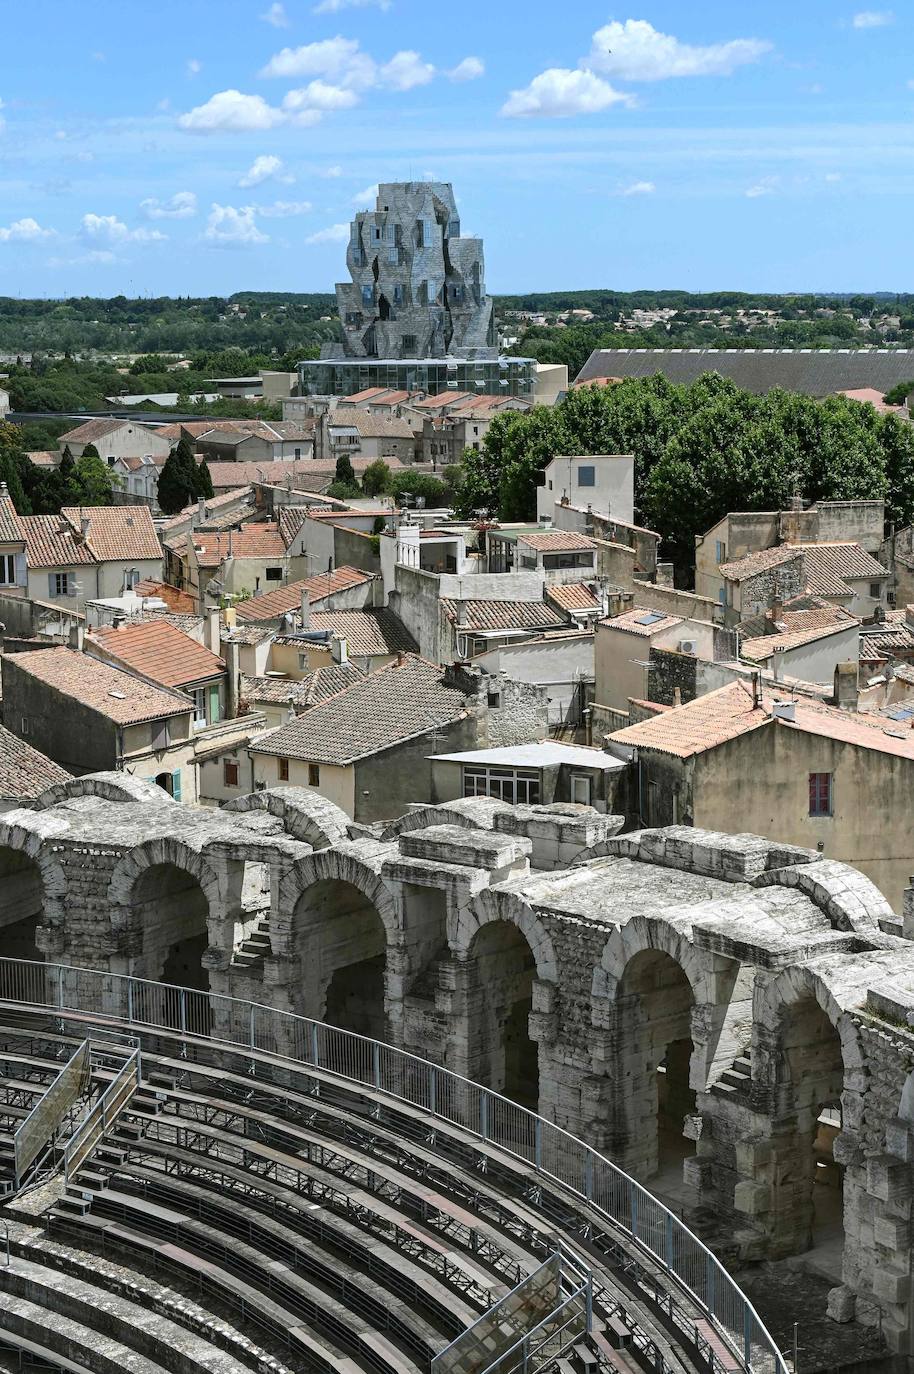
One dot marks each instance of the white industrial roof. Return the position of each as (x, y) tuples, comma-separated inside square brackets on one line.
[(545, 753)]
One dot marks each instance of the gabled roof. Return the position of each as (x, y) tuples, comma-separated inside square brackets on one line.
[(119, 696), (304, 692), (756, 650), (405, 699), (369, 426), (757, 562), (91, 430), (228, 500), (50, 542), (573, 596), (371, 633), (443, 398), (160, 651), (290, 521), (501, 615), (251, 541), (11, 531), (827, 566), (116, 533), (275, 604), (24, 772)]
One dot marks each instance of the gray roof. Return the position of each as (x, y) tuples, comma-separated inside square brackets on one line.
[(398, 702), (817, 372), (24, 772)]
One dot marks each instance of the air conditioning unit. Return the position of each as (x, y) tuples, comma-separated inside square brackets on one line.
[(687, 646)]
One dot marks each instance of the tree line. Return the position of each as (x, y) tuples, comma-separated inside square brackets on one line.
[(700, 451)]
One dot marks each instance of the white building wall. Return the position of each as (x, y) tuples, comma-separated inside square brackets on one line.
[(612, 494)]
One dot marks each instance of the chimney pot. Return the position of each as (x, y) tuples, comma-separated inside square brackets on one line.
[(305, 609)]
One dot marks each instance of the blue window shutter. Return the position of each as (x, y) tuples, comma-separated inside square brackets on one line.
[(176, 784)]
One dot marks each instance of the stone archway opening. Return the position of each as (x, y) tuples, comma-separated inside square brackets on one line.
[(170, 909), (814, 1179), (342, 949), (22, 899), (502, 1053), (655, 1006)]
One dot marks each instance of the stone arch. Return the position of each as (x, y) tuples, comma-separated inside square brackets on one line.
[(847, 897), (492, 904), (305, 815), (33, 890), (167, 893), (336, 930), (809, 1061), (114, 787), (642, 934)]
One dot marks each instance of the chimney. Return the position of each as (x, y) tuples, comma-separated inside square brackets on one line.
[(212, 630), (305, 609), (677, 696), (846, 686), (462, 614), (401, 658), (756, 690), (201, 509), (84, 526), (233, 684), (339, 650), (4, 490), (777, 663)]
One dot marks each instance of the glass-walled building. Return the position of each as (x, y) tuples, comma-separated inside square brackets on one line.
[(488, 377)]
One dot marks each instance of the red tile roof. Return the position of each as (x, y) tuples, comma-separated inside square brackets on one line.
[(275, 604), (51, 543), (370, 633), (158, 650), (11, 531), (251, 541), (556, 541), (573, 596), (642, 621), (117, 695), (176, 600), (443, 398), (24, 772), (755, 650), (501, 615), (117, 532)]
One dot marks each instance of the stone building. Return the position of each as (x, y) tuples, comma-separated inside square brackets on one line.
[(724, 1008)]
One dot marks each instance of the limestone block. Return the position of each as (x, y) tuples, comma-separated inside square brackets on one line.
[(842, 1303), (888, 1178), (450, 844), (753, 1199), (891, 1284), (692, 1126), (892, 1232)]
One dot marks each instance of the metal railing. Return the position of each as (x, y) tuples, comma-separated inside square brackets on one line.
[(38, 1131), (549, 1150), (101, 1114), (528, 1328)]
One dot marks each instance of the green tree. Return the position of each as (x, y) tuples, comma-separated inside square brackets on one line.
[(95, 481), (90, 451), (375, 478), (417, 484), (344, 470), (900, 393), (343, 491), (178, 479), (204, 481)]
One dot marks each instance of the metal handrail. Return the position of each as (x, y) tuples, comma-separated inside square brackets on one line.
[(100, 1115), (550, 1150)]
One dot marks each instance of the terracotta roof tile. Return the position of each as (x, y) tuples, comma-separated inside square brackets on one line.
[(159, 650), (642, 621), (396, 703), (763, 646), (117, 695), (273, 605), (756, 562), (176, 600), (369, 426), (24, 772), (371, 632), (50, 542), (117, 532), (91, 430), (11, 531), (831, 563), (556, 541), (304, 692), (573, 596), (251, 541), (501, 615), (228, 500)]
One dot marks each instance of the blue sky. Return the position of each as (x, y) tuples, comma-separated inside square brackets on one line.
[(200, 147)]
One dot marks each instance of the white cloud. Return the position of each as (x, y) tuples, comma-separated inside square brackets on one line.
[(833, 176), (231, 112), (182, 205), (467, 70), (95, 256), (318, 97), (366, 199), (334, 233), (872, 19), (406, 70), (276, 15), (194, 65), (636, 51), (331, 172), (267, 167), (767, 186), (25, 230), (232, 227), (558, 93), (334, 6), (639, 188), (338, 59), (284, 209), (112, 231)]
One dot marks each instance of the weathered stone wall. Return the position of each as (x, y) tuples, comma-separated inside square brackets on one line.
[(725, 988)]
